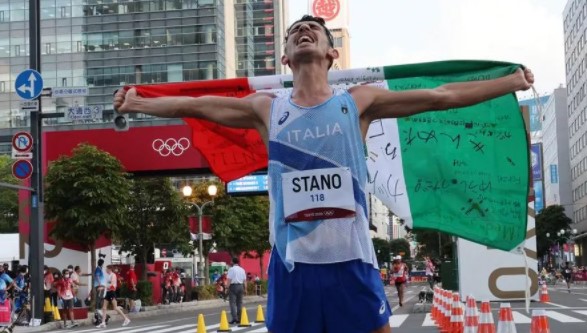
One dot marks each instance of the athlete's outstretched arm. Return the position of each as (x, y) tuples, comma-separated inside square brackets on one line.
[(375, 103), (227, 111)]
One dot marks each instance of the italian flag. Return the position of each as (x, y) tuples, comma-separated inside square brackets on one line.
[(463, 171)]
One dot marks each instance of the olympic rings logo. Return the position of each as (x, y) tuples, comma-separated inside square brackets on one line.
[(171, 146)]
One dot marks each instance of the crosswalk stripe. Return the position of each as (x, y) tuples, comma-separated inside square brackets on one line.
[(397, 320), (428, 321), (211, 327), (93, 329), (170, 329), (584, 300), (236, 329), (583, 312), (260, 330), (520, 318), (562, 317)]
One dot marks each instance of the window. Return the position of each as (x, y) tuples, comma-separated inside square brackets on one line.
[(64, 82), (2, 86)]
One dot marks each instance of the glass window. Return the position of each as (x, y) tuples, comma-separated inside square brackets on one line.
[(174, 72)]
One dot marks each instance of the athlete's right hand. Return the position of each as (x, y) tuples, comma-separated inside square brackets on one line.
[(123, 100)]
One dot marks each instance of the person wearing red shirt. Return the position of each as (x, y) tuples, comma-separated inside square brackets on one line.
[(65, 290), (131, 280), (48, 282), (175, 283)]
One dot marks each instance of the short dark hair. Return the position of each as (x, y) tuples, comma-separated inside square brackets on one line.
[(319, 20), (100, 262), (235, 260)]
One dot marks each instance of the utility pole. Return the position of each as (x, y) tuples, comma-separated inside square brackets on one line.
[(36, 236)]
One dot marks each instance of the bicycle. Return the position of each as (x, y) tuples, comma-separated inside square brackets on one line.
[(23, 317)]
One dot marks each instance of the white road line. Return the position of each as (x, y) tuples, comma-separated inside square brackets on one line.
[(236, 329), (397, 320), (260, 330), (562, 317), (520, 318), (405, 301), (582, 312), (93, 329), (174, 328), (584, 300), (557, 305), (211, 327), (428, 321)]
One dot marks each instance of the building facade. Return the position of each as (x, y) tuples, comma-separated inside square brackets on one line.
[(556, 162), (575, 37), (261, 29), (105, 44), (336, 15)]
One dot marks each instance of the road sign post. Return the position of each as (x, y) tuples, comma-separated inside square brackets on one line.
[(36, 239)]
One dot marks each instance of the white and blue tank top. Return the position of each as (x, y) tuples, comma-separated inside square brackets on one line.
[(312, 141)]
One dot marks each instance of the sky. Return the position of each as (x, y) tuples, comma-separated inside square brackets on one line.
[(391, 32)]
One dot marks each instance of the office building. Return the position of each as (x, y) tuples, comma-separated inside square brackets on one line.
[(105, 44), (575, 37)]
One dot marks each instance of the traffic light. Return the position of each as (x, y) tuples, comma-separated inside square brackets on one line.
[(120, 122)]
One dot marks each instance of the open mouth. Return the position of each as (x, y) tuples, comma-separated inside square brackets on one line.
[(305, 39)]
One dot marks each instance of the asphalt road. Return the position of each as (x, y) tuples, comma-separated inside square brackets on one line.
[(567, 313)]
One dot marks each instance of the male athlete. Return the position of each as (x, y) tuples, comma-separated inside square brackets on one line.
[(323, 271)]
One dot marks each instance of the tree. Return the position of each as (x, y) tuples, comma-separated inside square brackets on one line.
[(156, 214), (434, 243), (241, 224), (8, 198), (397, 246), (382, 250), (551, 220), (87, 196)]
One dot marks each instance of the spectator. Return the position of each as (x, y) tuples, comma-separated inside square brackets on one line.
[(6, 283), (11, 273), (131, 282), (237, 288), (65, 291), (48, 281), (22, 285), (214, 276)]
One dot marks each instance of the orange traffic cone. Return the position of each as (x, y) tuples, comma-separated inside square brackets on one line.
[(456, 318), (445, 327), (486, 324), (471, 316), (433, 308), (506, 319), (544, 298), (539, 322)]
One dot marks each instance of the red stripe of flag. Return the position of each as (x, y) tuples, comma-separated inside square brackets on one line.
[(231, 153)]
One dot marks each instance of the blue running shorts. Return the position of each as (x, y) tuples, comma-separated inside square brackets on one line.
[(318, 298)]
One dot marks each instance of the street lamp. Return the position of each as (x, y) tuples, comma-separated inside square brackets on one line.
[(187, 191)]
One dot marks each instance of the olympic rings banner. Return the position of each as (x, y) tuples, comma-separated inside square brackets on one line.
[(150, 149)]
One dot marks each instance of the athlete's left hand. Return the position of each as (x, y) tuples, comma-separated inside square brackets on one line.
[(524, 78)]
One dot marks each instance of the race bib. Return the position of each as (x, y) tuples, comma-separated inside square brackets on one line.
[(318, 194)]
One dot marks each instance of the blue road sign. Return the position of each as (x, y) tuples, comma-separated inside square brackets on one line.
[(29, 84), (22, 169)]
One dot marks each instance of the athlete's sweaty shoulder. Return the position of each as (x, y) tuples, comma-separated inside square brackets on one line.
[(261, 104)]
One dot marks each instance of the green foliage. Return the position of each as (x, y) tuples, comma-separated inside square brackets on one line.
[(87, 195), (206, 292), (550, 220), (156, 214), (241, 224), (145, 292), (400, 245), (433, 243), (382, 250), (251, 288), (8, 198)]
